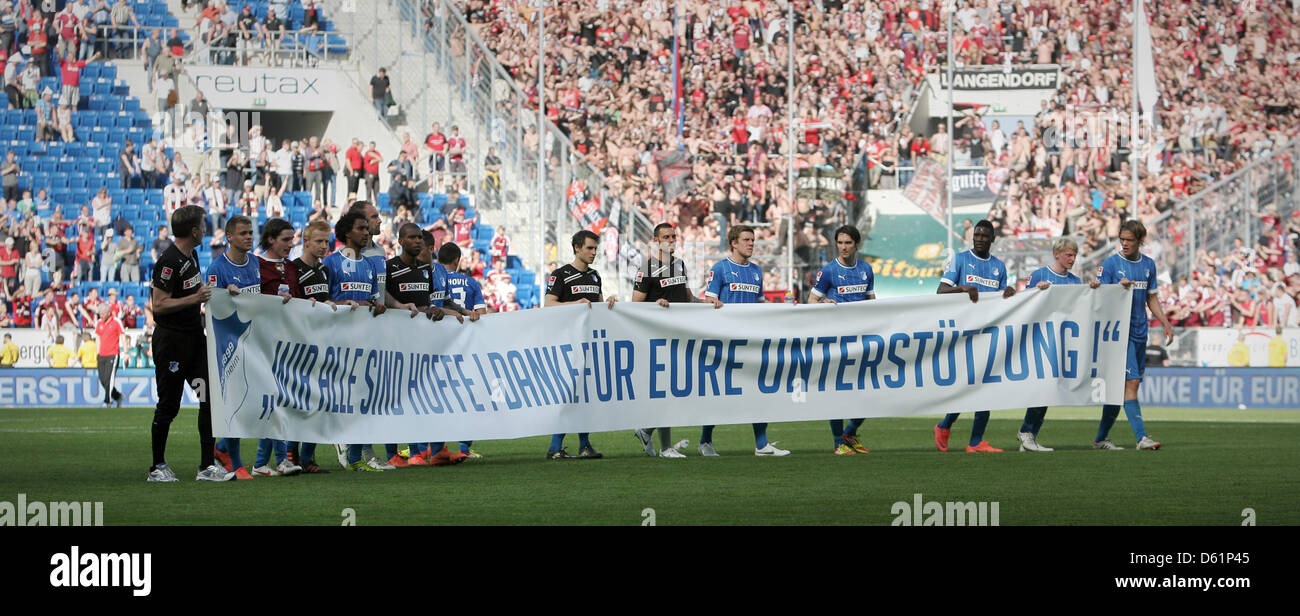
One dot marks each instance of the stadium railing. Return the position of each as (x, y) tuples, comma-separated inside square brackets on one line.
[(452, 54), (1212, 218)]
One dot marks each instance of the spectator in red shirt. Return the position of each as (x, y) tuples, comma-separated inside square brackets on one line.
[(69, 29), (500, 245), (72, 77), (9, 259), (22, 307), (354, 169), (456, 151), (130, 312), (437, 144), (461, 229), (39, 42), (372, 160), (85, 256), (108, 332)]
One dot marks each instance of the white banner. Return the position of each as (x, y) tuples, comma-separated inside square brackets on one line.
[(282, 89), (1214, 346), (308, 373)]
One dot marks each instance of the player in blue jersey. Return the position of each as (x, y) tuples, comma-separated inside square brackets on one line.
[(354, 282), (971, 272), (1064, 251), (737, 280), (375, 255), (462, 299), (846, 279), (1135, 271), (462, 290), (238, 272)]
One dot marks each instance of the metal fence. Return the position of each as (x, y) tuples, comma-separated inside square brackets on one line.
[(443, 72), (1225, 211)]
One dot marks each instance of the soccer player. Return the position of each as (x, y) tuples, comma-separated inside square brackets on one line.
[(355, 282), (313, 279), (278, 277), (846, 279), (463, 290), (737, 280), (1064, 251), (662, 279), (1133, 270), (576, 283), (463, 299), (980, 271), (411, 283), (374, 254), (237, 271), (109, 332), (179, 344)]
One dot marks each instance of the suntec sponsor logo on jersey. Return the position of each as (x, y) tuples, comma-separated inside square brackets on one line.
[(581, 289), (852, 288), (314, 289), (988, 282), (675, 280), (363, 287), (1139, 285), (741, 287), (413, 286), (194, 281), (437, 295)]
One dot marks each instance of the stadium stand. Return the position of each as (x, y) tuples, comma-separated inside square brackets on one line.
[(1227, 78)]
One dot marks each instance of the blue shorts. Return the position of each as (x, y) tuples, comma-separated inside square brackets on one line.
[(1136, 364)]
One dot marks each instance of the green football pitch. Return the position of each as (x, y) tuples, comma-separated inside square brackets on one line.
[(1214, 465)]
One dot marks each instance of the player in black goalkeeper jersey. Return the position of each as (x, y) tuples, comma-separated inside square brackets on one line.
[(576, 283), (661, 278)]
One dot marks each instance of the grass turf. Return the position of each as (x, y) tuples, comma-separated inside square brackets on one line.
[(1215, 463)]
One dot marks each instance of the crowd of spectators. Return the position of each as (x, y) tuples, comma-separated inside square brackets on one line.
[(1226, 72), (609, 89)]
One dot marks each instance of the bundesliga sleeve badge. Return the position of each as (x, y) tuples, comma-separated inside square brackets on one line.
[(166, 273)]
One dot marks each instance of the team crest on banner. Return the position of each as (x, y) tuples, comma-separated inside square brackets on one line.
[(227, 333)]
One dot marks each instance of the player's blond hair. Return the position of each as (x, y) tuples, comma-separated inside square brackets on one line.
[(1064, 244), (318, 225)]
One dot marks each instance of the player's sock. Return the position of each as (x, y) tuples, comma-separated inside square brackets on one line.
[(852, 425), (391, 450), (464, 446), (706, 434), (760, 435), (1108, 414), (1134, 413), (557, 442), (221, 445), (232, 448), (977, 428), (1033, 419), (948, 420), (584, 440), (281, 449), (837, 431), (307, 451), (434, 448), (263, 452), (665, 437), (354, 453)]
